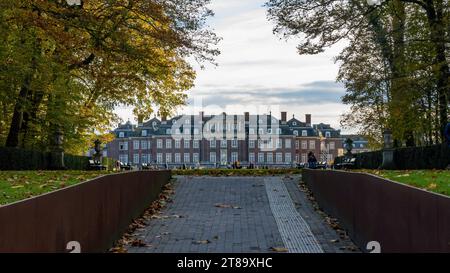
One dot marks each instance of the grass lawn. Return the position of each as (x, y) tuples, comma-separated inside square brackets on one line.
[(18, 185), (430, 180)]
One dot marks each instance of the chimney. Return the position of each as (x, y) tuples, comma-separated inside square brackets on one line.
[(247, 116), (140, 120), (308, 119), (283, 117), (164, 118)]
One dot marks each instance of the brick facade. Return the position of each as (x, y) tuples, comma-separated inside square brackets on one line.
[(210, 140)]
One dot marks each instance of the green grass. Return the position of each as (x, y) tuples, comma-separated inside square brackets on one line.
[(18, 185), (431, 180), (241, 172)]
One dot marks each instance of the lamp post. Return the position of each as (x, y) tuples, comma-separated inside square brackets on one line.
[(97, 148), (349, 147), (388, 151), (57, 159)]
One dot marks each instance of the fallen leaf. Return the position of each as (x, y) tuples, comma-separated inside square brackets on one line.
[(279, 249), (139, 243), (202, 242)]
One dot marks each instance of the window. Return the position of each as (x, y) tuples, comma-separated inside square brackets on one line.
[(288, 143), (195, 158), (279, 131), (212, 143), (123, 146), (223, 143), (297, 158), (330, 157), (123, 159), (168, 144), (312, 144), (187, 121), (251, 131), (294, 123), (304, 133), (269, 131), (327, 134), (187, 131), (234, 143), (177, 131), (196, 144), (234, 157), (159, 144), (121, 134), (251, 157), (212, 157), (144, 145), (304, 156), (261, 157), (187, 144), (270, 157), (279, 158), (260, 144), (168, 131), (187, 158), (288, 158), (177, 144), (144, 133), (149, 158), (168, 158), (159, 158), (251, 144), (297, 144), (136, 145), (295, 132), (136, 158), (261, 131), (279, 144), (177, 158), (144, 159), (196, 131), (270, 144), (332, 145), (304, 144)]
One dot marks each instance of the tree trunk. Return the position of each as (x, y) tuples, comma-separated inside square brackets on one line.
[(17, 119), (437, 31)]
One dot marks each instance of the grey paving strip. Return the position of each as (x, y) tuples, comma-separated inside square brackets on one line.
[(295, 231)]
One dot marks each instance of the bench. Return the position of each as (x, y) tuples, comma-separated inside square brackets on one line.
[(96, 166)]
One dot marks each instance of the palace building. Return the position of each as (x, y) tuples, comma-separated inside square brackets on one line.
[(222, 139)]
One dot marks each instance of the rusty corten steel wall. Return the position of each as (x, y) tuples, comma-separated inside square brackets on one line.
[(401, 218), (94, 213)]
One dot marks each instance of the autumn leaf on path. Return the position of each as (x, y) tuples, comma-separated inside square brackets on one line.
[(226, 206), (202, 242), (279, 249)]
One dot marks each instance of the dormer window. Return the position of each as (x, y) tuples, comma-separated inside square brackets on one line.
[(121, 134), (296, 132), (144, 133), (279, 131), (327, 134), (294, 123), (187, 121), (304, 133), (168, 131)]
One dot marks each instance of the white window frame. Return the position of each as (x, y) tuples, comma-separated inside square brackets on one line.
[(187, 144), (168, 143), (136, 144), (159, 143), (187, 158)]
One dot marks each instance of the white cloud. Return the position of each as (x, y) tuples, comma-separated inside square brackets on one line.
[(256, 67)]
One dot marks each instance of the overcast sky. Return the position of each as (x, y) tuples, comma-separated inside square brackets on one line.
[(258, 72)]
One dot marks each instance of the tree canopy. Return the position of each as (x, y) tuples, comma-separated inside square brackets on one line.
[(395, 66), (67, 67)]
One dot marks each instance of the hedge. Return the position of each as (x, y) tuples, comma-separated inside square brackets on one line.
[(410, 158), (19, 159)]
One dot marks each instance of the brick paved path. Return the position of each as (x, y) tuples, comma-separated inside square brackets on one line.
[(245, 223)]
